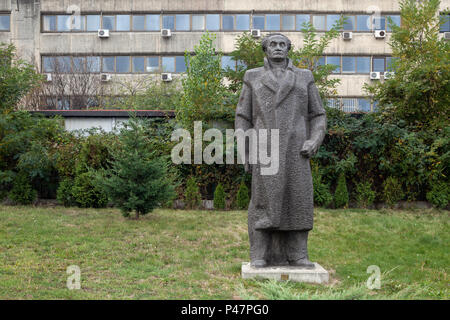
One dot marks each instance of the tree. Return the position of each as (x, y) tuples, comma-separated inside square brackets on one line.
[(219, 197), (242, 198), (419, 91), (341, 193), (205, 96), (193, 198), (17, 78), (249, 54), (137, 180)]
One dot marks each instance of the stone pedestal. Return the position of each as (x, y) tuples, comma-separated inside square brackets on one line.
[(317, 275)]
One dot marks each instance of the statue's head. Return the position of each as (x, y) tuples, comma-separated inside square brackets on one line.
[(276, 46)]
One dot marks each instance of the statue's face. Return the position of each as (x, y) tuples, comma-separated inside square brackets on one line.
[(277, 49)]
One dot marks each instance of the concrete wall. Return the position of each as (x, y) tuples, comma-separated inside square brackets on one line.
[(108, 124)]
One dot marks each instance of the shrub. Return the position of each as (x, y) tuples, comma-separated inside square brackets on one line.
[(322, 194), (242, 198), (22, 192), (341, 193), (192, 195), (87, 193), (392, 191), (137, 180), (219, 197), (64, 193), (364, 194), (439, 195)]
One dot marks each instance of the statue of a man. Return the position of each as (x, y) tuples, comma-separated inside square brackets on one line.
[(284, 97)]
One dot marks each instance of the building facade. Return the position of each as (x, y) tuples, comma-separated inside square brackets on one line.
[(123, 39)]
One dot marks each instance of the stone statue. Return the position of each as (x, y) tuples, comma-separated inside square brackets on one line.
[(281, 96)]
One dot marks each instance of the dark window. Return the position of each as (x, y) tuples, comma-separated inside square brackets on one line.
[(4, 22), (350, 24), (79, 64), (227, 22), (180, 65), (378, 64), (242, 22), (152, 64), (336, 60), (168, 22), (63, 64), (123, 64), (93, 64), (363, 64), (363, 23), (379, 23), (348, 64), (48, 64), (445, 26), (138, 23), (258, 22), (108, 64), (138, 64), (109, 22), (364, 105)]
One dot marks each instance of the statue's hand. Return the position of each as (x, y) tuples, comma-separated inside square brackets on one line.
[(309, 149)]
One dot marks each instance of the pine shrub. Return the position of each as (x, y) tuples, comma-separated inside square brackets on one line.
[(87, 193), (193, 198), (322, 194), (341, 193), (64, 193), (219, 198), (242, 198), (22, 192), (439, 195)]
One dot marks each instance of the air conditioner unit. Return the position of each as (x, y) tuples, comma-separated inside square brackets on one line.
[(166, 77), (347, 35), (103, 33), (49, 77), (389, 75), (105, 77), (447, 35), (166, 33), (380, 34), (256, 33), (375, 76)]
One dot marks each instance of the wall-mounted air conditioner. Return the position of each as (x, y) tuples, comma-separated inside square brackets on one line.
[(375, 76), (380, 34), (103, 33), (389, 75), (447, 35), (166, 77), (104, 77), (166, 33), (256, 33), (347, 35)]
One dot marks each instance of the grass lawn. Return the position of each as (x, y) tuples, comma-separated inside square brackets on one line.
[(174, 254)]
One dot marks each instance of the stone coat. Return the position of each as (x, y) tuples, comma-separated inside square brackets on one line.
[(291, 104)]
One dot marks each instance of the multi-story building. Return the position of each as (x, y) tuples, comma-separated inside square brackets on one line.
[(135, 38)]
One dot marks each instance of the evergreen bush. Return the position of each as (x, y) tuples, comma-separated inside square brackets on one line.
[(439, 195), (242, 198), (193, 198), (219, 198), (22, 192), (341, 193)]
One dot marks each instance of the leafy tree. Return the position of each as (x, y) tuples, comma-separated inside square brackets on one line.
[(205, 96), (17, 78), (419, 92), (219, 197), (22, 191), (137, 180)]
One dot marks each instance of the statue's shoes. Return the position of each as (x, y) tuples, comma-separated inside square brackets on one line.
[(264, 224), (302, 263), (259, 263)]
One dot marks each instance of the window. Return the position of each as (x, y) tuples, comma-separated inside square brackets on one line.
[(182, 21), (152, 23), (92, 23), (138, 23), (227, 22), (63, 23), (364, 105), (336, 61), (321, 61), (109, 22), (242, 22), (198, 22), (180, 65), (108, 64), (349, 104), (348, 64), (49, 23), (168, 64), (123, 64), (228, 62), (258, 22), (78, 23), (332, 19), (123, 22), (349, 24), (379, 23), (152, 64), (168, 22), (273, 22), (5, 22), (301, 20), (288, 22), (319, 22), (93, 64), (63, 64), (378, 64), (395, 21), (389, 63), (138, 64), (445, 26), (363, 23), (48, 64), (363, 64), (79, 64), (212, 22)]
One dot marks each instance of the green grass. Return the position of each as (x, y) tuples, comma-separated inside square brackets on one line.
[(171, 254)]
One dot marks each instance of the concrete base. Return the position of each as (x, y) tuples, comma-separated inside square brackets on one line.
[(317, 275)]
